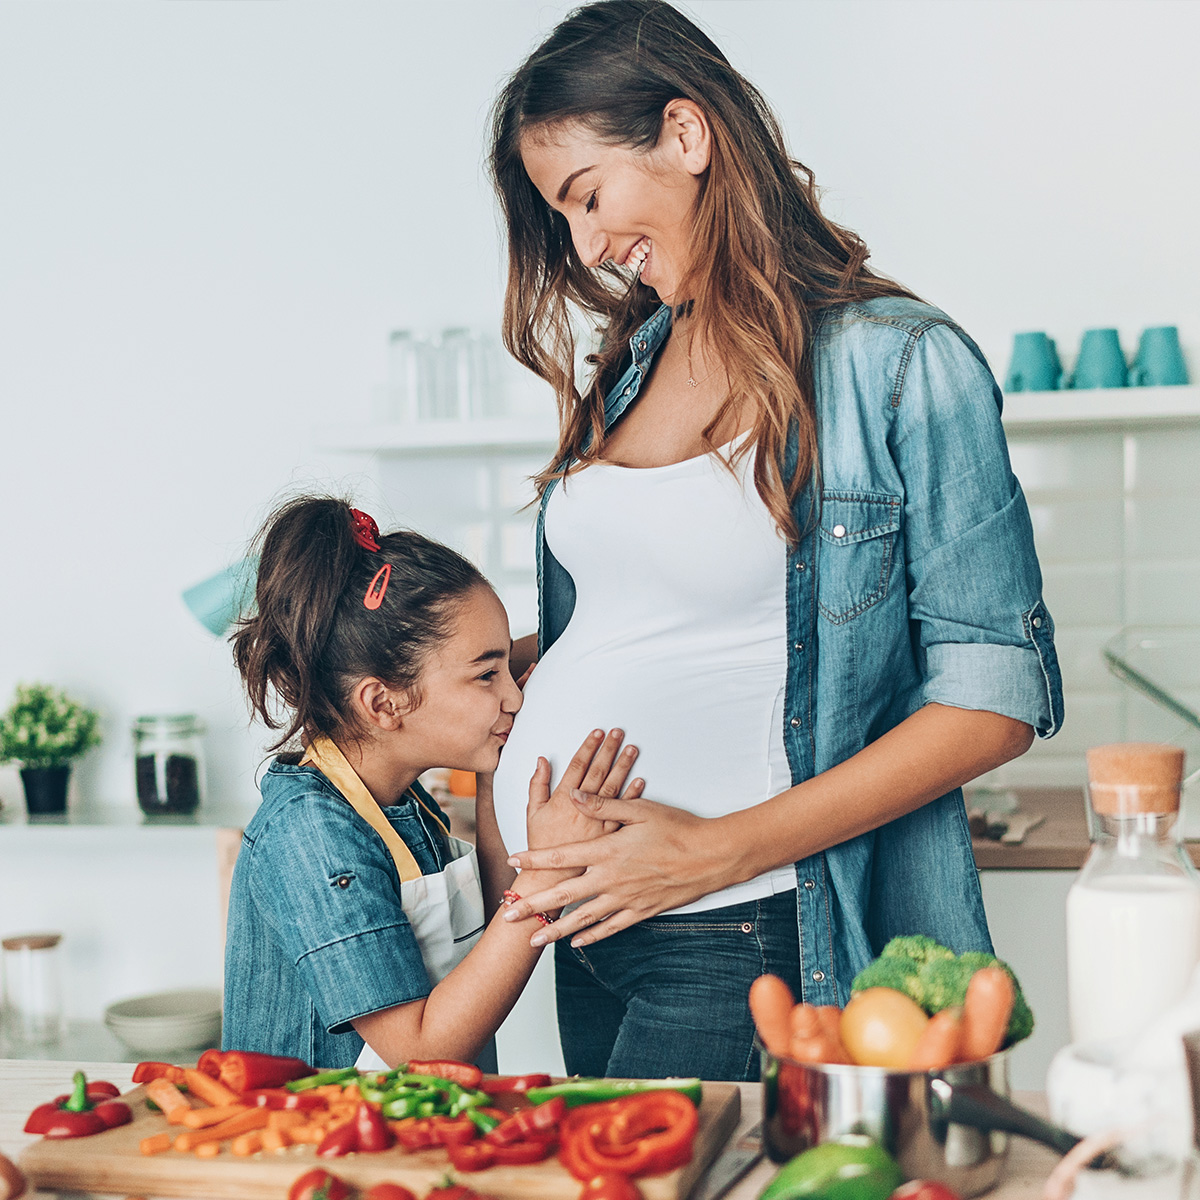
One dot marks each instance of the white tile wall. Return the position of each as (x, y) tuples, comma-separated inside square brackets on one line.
[(1116, 518)]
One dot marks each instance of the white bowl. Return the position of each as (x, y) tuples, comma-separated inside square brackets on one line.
[(187, 1019)]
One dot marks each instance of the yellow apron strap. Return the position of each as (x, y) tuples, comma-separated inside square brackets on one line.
[(331, 762)]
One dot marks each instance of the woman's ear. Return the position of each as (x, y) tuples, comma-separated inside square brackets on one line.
[(379, 706), (686, 136)]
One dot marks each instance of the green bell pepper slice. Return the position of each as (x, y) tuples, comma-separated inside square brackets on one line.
[(590, 1091)]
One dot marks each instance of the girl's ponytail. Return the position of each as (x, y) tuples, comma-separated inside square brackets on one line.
[(312, 638)]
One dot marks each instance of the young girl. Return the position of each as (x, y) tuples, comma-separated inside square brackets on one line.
[(354, 916)]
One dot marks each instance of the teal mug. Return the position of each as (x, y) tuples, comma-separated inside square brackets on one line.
[(221, 600), (1035, 365), (1159, 361), (1101, 361)]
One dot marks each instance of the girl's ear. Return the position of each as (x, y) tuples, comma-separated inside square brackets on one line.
[(686, 134), (379, 706)]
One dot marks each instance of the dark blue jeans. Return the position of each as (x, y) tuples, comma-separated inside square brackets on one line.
[(669, 996)]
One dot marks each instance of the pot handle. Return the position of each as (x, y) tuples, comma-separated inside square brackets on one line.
[(981, 1108)]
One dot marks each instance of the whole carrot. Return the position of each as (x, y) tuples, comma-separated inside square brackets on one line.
[(771, 1002), (940, 1042), (986, 1011)]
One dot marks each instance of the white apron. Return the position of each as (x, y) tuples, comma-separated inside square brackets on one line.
[(445, 910)]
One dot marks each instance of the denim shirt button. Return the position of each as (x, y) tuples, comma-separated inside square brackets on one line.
[(839, 531), (1037, 622), (641, 345), (799, 647), (809, 884), (818, 976), (800, 566), (343, 881), (795, 722)]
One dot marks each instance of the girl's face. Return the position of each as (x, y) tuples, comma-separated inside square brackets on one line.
[(632, 208), (468, 696)]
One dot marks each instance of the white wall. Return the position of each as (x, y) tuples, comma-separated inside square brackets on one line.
[(212, 214)]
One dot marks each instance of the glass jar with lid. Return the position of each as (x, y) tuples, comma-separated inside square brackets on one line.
[(169, 763), (32, 987)]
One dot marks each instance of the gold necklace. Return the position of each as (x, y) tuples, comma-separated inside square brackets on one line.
[(685, 310)]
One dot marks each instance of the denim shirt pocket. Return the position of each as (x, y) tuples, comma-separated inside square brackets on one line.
[(858, 540)]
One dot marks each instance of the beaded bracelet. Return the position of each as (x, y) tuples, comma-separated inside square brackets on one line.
[(510, 898)]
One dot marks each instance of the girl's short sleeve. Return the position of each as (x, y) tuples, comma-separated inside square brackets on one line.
[(324, 881)]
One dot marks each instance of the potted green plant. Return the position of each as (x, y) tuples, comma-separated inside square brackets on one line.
[(43, 730)]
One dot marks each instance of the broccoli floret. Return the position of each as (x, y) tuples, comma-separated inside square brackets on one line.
[(916, 947), (943, 983), (900, 974)]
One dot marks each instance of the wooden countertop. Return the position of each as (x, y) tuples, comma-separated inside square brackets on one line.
[(25, 1084)]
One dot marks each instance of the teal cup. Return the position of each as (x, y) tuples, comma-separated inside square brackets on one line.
[(1101, 362), (224, 598), (1159, 361), (1035, 366)]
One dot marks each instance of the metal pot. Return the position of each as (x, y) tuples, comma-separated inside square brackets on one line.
[(950, 1125)]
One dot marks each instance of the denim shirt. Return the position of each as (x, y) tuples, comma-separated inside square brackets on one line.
[(316, 933), (916, 583)]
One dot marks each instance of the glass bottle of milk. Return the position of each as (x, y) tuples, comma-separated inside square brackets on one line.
[(1133, 915)]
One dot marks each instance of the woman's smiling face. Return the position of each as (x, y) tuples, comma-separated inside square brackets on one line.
[(632, 208)]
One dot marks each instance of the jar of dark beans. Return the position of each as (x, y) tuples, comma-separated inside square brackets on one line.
[(168, 763)]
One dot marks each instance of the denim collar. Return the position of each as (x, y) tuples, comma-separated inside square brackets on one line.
[(651, 334)]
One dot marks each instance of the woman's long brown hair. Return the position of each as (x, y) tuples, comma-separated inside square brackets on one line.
[(771, 261)]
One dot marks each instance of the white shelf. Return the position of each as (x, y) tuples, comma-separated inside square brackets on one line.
[(510, 433), (1101, 408)]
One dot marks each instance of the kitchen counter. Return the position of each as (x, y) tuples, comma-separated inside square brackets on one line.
[(25, 1084)]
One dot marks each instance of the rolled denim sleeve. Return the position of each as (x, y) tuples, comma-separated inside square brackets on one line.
[(326, 884), (982, 632)]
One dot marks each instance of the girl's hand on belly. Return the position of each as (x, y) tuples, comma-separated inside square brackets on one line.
[(660, 858), (598, 766)]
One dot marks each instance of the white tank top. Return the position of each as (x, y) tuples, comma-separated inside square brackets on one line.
[(679, 637)]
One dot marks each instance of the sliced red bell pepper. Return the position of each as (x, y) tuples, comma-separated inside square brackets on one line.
[(529, 1122), (278, 1099), (496, 1085), (466, 1075), (452, 1191), (373, 1132), (478, 1156), (85, 1110), (245, 1070), (144, 1072), (420, 1133), (610, 1187), (209, 1063), (644, 1134), (319, 1185)]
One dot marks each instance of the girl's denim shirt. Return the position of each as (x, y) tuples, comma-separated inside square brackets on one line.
[(316, 934), (915, 582)]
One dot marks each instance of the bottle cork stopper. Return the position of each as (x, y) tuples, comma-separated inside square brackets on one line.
[(32, 941), (1126, 778)]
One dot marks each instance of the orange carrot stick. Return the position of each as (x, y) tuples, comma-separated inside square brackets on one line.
[(287, 1118), (210, 1090), (156, 1144), (986, 1010), (275, 1139), (244, 1122), (202, 1118), (771, 1003), (246, 1144), (307, 1134), (169, 1098), (940, 1042), (208, 1150)]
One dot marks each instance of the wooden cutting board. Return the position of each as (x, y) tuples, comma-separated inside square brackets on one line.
[(111, 1162)]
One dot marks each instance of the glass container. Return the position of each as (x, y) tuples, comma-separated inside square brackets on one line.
[(169, 764), (33, 987), (1133, 914)]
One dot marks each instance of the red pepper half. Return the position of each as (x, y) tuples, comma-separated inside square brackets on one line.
[(86, 1110), (319, 1185), (144, 1072), (372, 1129), (389, 1191), (244, 1070), (341, 1139), (210, 1063), (495, 1085), (466, 1075)]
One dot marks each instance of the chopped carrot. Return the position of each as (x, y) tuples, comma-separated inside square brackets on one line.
[(210, 1090), (208, 1149), (308, 1134), (244, 1122), (247, 1143), (331, 1091), (156, 1144), (202, 1118), (287, 1118), (275, 1139), (169, 1098)]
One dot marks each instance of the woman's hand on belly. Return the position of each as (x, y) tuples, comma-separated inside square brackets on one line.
[(659, 858), (599, 767)]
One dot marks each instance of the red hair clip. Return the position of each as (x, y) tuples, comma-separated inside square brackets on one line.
[(366, 532), (377, 588)]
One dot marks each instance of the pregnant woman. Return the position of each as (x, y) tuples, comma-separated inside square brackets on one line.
[(780, 545)]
